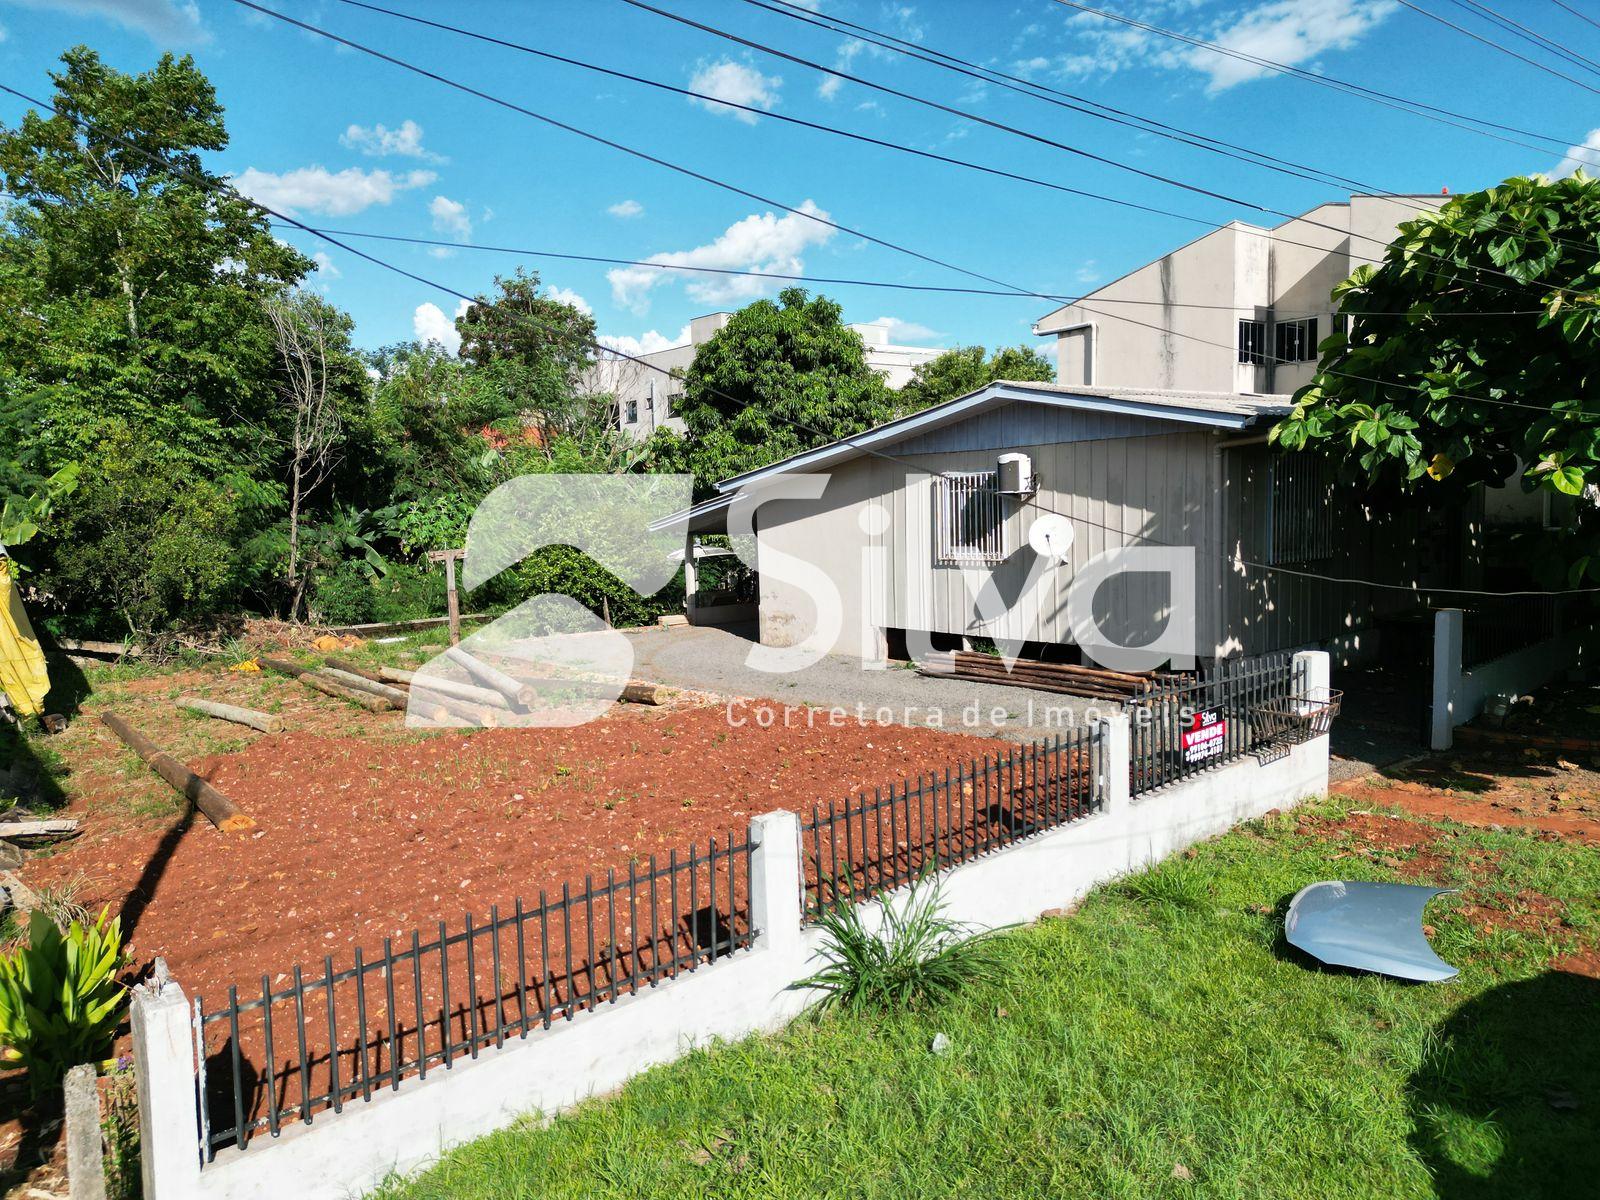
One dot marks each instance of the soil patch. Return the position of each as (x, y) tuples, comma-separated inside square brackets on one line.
[(362, 838)]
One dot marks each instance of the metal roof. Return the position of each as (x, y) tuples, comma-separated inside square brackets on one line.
[(1212, 410)]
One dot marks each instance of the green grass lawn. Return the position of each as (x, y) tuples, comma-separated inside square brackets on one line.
[(1161, 1041)]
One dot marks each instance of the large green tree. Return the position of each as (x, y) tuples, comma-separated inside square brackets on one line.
[(966, 369), (1473, 347), (134, 330), (779, 378)]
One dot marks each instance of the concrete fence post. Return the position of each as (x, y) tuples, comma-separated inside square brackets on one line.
[(1313, 669), (164, 1071), (1116, 761), (1447, 631), (777, 881)]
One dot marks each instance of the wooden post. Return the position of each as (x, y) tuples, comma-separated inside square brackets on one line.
[(264, 722), (218, 809), (452, 601)]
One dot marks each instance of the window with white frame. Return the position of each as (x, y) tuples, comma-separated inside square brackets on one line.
[(1297, 340), (968, 518), (1300, 496), (632, 417), (1253, 342)]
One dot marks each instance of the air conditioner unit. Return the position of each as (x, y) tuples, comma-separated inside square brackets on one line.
[(1014, 475)]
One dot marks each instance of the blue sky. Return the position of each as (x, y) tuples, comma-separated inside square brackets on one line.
[(348, 142)]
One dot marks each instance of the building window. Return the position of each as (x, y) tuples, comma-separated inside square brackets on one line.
[(1253, 342), (632, 415), (970, 523), (1297, 340), (1300, 495)]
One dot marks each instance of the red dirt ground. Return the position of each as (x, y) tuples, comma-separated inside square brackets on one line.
[(362, 838)]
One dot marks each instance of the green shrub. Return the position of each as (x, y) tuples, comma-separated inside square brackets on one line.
[(60, 999), (408, 593), (918, 956)]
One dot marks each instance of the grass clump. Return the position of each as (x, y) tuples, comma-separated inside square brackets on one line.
[(917, 955), (1180, 883)]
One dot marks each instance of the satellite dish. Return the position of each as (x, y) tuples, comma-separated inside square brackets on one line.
[(1050, 536)]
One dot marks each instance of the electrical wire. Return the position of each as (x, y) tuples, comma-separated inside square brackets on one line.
[(1582, 16), (1416, 108), (869, 283), (1143, 124), (213, 184), (1016, 131), (1531, 36), (511, 106), (1500, 46)]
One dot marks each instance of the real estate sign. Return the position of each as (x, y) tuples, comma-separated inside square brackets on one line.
[(1205, 737)]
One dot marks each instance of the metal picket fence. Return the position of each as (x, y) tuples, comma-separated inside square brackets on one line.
[(1184, 726), (283, 1055), (879, 840)]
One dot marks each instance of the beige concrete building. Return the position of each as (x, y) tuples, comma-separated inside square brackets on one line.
[(1238, 310), (645, 396)]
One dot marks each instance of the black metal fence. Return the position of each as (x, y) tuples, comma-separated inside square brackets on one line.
[(283, 1055), (882, 839), (1186, 726), (1495, 626)]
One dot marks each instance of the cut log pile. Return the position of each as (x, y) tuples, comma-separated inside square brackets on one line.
[(1067, 679)]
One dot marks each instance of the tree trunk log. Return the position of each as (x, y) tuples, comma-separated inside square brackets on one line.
[(217, 808), (467, 692), (261, 721), (361, 684), (329, 687), (492, 677)]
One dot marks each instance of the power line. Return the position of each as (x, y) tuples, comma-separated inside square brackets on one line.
[(1165, 330), (1016, 131), (1582, 16), (897, 147), (1033, 90), (1500, 46), (605, 260), (1416, 108), (1531, 36), (212, 184)]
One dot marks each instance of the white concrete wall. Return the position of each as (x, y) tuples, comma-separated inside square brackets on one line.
[(1459, 695), (403, 1131)]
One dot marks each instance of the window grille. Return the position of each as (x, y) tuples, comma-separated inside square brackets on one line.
[(1300, 496), (970, 521), (1297, 340), (1253, 342)]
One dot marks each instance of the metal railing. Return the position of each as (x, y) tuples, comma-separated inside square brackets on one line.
[(880, 840), (283, 1055), (1186, 726), (1494, 627)]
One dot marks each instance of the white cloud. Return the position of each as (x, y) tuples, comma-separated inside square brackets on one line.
[(330, 193), (830, 85), (431, 325), (759, 242), (626, 209), (1585, 154), (170, 22), (902, 331), (1087, 272), (567, 296), (647, 343), (380, 141), (1289, 32), (325, 266), (450, 216), (738, 84)]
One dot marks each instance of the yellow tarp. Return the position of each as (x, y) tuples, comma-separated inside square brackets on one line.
[(22, 671)]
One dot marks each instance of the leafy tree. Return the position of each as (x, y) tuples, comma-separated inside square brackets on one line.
[(535, 349), (965, 369), (779, 378), (1452, 374)]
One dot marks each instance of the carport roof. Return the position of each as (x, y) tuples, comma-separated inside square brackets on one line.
[(1212, 410)]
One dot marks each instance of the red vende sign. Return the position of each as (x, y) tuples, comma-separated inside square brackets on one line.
[(1205, 737)]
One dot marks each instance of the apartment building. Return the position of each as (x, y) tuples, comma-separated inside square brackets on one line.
[(1240, 309)]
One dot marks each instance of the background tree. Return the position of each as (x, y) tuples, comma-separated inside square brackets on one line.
[(779, 378), (535, 349), (1452, 374), (318, 375), (965, 369)]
